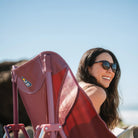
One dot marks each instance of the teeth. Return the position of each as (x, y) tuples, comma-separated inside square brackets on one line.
[(108, 78)]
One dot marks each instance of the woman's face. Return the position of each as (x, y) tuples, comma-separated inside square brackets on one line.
[(103, 77)]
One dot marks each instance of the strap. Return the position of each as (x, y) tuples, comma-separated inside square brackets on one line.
[(49, 87), (15, 96), (49, 90)]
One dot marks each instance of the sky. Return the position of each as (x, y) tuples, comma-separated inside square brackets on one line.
[(71, 27)]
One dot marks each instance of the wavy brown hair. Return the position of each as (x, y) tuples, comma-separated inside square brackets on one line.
[(109, 109)]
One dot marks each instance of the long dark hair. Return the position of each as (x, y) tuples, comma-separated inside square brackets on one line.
[(109, 109)]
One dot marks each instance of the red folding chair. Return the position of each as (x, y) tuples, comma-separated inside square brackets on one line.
[(56, 105)]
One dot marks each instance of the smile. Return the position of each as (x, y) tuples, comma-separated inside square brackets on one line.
[(107, 78)]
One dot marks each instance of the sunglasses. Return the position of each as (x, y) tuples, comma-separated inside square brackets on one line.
[(106, 65)]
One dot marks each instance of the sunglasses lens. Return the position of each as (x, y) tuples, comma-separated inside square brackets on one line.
[(106, 65), (114, 67)]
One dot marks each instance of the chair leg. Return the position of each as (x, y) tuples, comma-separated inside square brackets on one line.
[(52, 128), (62, 133), (6, 132), (42, 133), (15, 128), (25, 132)]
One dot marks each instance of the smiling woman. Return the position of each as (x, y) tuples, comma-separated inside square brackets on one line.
[(98, 74)]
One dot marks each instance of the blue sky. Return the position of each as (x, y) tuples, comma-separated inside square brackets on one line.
[(70, 27)]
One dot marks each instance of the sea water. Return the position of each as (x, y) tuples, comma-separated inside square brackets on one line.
[(129, 114)]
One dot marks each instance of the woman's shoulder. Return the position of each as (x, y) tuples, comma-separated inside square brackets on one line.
[(85, 85), (91, 87)]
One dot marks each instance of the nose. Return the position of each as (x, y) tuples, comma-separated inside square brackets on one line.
[(110, 70)]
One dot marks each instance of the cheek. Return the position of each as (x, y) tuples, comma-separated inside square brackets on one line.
[(113, 76)]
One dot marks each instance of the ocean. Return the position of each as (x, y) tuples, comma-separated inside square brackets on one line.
[(129, 114)]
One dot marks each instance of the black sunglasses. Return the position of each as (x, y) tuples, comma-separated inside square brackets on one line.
[(106, 65)]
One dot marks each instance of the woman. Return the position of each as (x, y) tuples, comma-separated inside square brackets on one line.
[(98, 74)]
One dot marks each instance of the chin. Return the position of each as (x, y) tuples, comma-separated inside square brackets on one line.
[(105, 86)]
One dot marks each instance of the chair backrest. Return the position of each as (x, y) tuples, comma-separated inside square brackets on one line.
[(51, 95)]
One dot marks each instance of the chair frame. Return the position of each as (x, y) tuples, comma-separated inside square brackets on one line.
[(51, 127)]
